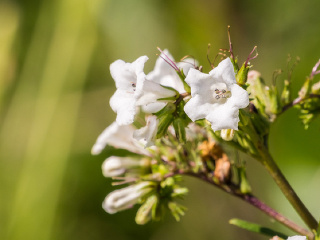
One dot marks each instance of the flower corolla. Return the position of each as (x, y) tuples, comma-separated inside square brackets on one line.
[(166, 75), (133, 89), (116, 166), (125, 198), (216, 96), (118, 137), (147, 134), (297, 238)]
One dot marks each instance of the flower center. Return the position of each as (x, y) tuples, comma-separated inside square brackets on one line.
[(221, 94), (133, 86)]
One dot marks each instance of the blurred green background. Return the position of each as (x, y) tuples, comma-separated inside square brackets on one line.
[(54, 91)]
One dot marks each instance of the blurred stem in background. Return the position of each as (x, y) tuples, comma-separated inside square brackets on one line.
[(53, 110)]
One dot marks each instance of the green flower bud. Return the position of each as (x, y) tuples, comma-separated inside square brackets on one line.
[(306, 88), (144, 213), (273, 105), (242, 74), (245, 187), (165, 117), (286, 94)]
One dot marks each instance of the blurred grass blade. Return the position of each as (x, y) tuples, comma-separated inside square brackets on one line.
[(253, 227)]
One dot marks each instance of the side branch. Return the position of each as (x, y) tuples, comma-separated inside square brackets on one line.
[(297, 101), (252, 200)]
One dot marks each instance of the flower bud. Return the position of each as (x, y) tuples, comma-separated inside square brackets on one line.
[(125, 198), (305, 90), (286, 94), (227, 134), (242, 74), (116, 166), (144, 213), (245, 187)]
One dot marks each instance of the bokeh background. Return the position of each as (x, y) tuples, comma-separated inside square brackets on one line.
[(54, 91)]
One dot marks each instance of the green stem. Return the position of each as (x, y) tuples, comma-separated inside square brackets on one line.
[(287, 190)]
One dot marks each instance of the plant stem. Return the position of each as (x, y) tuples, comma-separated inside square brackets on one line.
[(254, 201), (287, 190)]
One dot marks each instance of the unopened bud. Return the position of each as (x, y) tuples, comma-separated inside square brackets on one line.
[(242, 74), (116, 166), (144, 213), (227, 134), (125, 198)]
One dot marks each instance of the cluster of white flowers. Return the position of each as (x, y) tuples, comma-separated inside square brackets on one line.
[(215, 96)]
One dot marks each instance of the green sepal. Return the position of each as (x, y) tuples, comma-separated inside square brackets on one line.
[(144, 213), (286, 93), (177, 210), (165, 117), (242, 74), (183, 79), (172, 89), (179, 126), (168, 98), (306, 88), (245, 187), (274, 101), (235, 64), (180, 122), (253, 227)]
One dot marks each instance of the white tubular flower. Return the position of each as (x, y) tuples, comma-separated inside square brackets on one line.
[(125, 198), (118, 137), (165, 75), (147, 135), (216, 96), (297, 238), (133, 90), (129, 79), (116, 166)]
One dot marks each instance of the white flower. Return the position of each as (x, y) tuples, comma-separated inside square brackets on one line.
[(125, 198), (147, 135), (129, 78), (297, 238), (116, 166), (216, 96), (165, 75), (118, 137), (133, 90)]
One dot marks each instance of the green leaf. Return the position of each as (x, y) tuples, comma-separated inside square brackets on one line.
[(253, 227)]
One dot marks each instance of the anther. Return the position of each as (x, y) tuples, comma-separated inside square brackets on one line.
[(217, 97)]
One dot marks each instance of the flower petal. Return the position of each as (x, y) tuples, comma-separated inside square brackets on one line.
[(239, 97), (118, 137), (146, 135), (196, 108), (164, 74), (124, 104), (224, 72), (125, 74), (223, 116)]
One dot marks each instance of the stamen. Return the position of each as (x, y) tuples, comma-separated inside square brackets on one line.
[(168, 60)]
